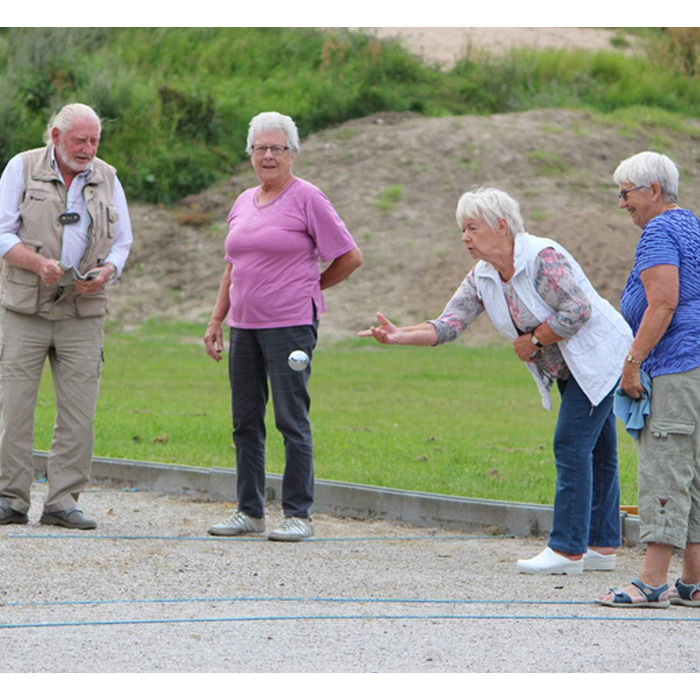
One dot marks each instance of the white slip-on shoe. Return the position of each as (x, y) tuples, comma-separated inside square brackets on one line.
[(595, 561), (549, 562)]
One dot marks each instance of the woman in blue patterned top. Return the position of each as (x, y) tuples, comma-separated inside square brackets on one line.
[(661, 302)]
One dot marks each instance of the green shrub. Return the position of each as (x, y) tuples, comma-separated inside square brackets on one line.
[(177, 101)]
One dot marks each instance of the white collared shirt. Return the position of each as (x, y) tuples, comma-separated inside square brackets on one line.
[(75, 236)]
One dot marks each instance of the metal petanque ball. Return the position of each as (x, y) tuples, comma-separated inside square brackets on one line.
[(298, 360)]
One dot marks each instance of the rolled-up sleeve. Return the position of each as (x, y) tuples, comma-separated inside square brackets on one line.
[(556, 283), (11, 186)]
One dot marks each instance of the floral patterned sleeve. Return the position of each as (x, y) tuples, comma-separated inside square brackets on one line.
[(464, 307), (556, 284)]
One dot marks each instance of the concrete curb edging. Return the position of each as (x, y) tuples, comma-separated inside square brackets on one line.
[(342, 499)]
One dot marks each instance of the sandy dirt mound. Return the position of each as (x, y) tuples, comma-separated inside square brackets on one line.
[(396, 179)]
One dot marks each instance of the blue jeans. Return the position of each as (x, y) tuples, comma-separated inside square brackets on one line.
[(587, 499), (256, 356)]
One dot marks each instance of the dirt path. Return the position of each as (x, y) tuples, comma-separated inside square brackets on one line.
[(445, 45)]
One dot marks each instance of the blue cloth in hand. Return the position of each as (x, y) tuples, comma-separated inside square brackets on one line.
[(633, 412)]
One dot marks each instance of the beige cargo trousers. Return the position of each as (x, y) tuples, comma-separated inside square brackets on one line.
[(74, 348)]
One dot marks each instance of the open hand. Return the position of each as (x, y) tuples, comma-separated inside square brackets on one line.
[(386, 332)]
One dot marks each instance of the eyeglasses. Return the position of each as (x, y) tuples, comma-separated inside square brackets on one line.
[(622, 194), (275, 150)]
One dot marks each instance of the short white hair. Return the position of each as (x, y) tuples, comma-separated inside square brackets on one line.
[(647, 167), (64, 118), (273, 121), (491, 205)]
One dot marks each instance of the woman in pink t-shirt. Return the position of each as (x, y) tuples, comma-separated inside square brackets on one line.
[(271, 297)]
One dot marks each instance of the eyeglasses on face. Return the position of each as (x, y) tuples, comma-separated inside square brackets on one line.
[(275, 150), (622, 194)]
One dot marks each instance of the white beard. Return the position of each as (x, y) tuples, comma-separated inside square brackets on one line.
[(69, 162)]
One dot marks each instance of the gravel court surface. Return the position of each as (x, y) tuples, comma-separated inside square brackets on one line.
[(150, 591)]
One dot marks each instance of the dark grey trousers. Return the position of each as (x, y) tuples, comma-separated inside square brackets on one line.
[(258, 364)]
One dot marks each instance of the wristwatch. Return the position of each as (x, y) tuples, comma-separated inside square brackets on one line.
[(534, 340)]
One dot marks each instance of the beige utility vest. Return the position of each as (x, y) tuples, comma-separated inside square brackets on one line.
[(43, 201)]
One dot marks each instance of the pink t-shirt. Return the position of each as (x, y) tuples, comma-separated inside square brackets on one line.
[(275, 250)]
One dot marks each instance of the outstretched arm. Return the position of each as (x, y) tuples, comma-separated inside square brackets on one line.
[(388, 334)]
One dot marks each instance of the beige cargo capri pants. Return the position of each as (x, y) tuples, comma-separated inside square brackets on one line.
[(74, 349), (669, 462)]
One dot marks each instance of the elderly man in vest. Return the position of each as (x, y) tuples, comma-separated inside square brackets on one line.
[(64, 235)]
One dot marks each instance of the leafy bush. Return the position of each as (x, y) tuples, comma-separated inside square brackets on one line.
[(177, 101)]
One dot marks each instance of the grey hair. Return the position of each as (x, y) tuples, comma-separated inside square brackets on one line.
[(492, 205), (647, 167), (63, 119), (273, 121)]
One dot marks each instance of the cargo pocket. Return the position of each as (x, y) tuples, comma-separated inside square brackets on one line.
[(19, 290), (670, 444), (662, 429)]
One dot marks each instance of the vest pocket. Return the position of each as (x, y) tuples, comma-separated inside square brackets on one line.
[(88, 305), (19, 290), (108, 218)]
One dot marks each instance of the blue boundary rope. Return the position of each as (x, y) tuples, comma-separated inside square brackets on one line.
[(293, 599), (259, 538), (364, 617), (325, 617)]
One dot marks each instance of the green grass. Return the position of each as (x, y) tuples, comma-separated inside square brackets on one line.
[(389, 197), (449, 420)]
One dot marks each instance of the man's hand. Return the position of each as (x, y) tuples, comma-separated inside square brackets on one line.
[(96, 283), (49, 270)]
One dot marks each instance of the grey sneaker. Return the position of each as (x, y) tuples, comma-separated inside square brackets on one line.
[(10, 516), (292, 530), (238, 524)]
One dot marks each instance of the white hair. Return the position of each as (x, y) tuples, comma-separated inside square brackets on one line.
[(647, 167), (490, 204), (273, 121), (64, 119)]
